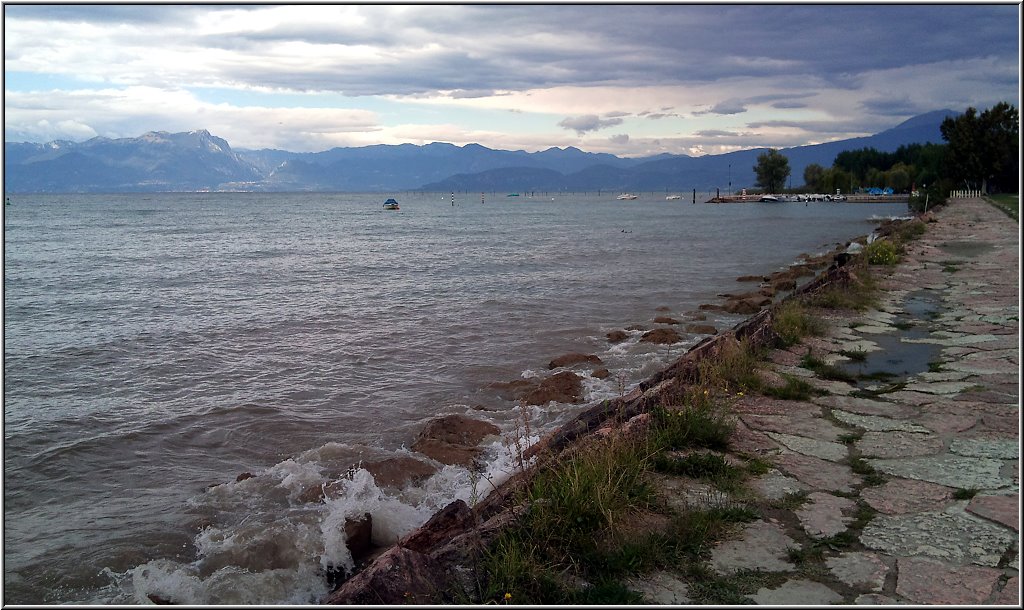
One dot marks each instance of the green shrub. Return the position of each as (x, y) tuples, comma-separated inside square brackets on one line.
[(882, 252)]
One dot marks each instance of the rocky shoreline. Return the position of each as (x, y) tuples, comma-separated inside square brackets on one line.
[(415, 566)]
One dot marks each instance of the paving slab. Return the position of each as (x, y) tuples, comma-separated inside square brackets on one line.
[(902, 496), (818, 473), (774, 485), (946, 535), (925, 581), (866, 406), (1008, 449), (1010, 593), (826, 450), (950, 470), (898, 444), (876, 423), (825, 515), (801, 424), (876, 599), (660, 588), (1002, 509), (940, 387), (761, 546), (797, 593), (862, 571)]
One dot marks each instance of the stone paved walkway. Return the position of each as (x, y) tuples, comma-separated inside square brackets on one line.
[(908, 487)]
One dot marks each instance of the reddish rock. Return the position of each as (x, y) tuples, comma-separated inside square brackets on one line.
[(399, 576), (710, 307), (817, 473), (453, 519), (573, 359), (743, 306), (902, 496), (453, 439), (783, 284), (617, 336), (665, 320), (1002, 509), (663, 308), (244, 476), (745, 441), (399, 471), (601, 373), (925, 581), (701, 329), (662, 336), (560, 387), (750, 278), (312, 494), (511, 390), (1010, 595)]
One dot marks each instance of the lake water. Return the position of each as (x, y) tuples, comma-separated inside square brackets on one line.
[(156, 346)]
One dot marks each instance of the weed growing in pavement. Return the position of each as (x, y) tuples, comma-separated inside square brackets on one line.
[(965, 494), (791, 501), (857, 355), (825, 371), (795, 389), (850, 437)]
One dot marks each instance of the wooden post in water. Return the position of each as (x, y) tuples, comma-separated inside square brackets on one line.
[(694, 196)]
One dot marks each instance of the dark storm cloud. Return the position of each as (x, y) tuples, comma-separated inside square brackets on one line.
[(509, 47)]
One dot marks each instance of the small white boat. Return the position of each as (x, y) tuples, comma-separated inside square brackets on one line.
[(390, 204), (769, 198), (626, 197), (673, 197)]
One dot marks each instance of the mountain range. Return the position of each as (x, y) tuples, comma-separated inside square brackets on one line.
[(199, 161)]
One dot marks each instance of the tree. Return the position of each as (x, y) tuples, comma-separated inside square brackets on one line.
[(984, 148), (813, 174), (772, 169)]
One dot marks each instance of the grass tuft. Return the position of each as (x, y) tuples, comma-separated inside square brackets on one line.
[(792, 323)]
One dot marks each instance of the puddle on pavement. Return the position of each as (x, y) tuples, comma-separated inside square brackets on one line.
[(897, 360), (966, 248)]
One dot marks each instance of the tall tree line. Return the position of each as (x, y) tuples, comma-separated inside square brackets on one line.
[(982, 151)]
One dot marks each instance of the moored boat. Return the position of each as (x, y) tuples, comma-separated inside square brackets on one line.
[(626, 197), (391, 204)]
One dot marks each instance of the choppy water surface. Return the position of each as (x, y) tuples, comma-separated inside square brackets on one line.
[(156, 346)]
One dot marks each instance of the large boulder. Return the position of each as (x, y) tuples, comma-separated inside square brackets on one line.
[(573, 359), (617, 336), (661, 336), (399, 471), (453, 439), (560, 387), (511, 390), (744, 306), (399, 576)]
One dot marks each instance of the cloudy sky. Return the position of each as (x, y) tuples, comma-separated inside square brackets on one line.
[(627, 79)]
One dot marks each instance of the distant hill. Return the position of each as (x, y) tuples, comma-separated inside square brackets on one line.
[(197, 160)]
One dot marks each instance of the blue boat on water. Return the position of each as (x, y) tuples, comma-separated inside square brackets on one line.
[(390, 204)]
